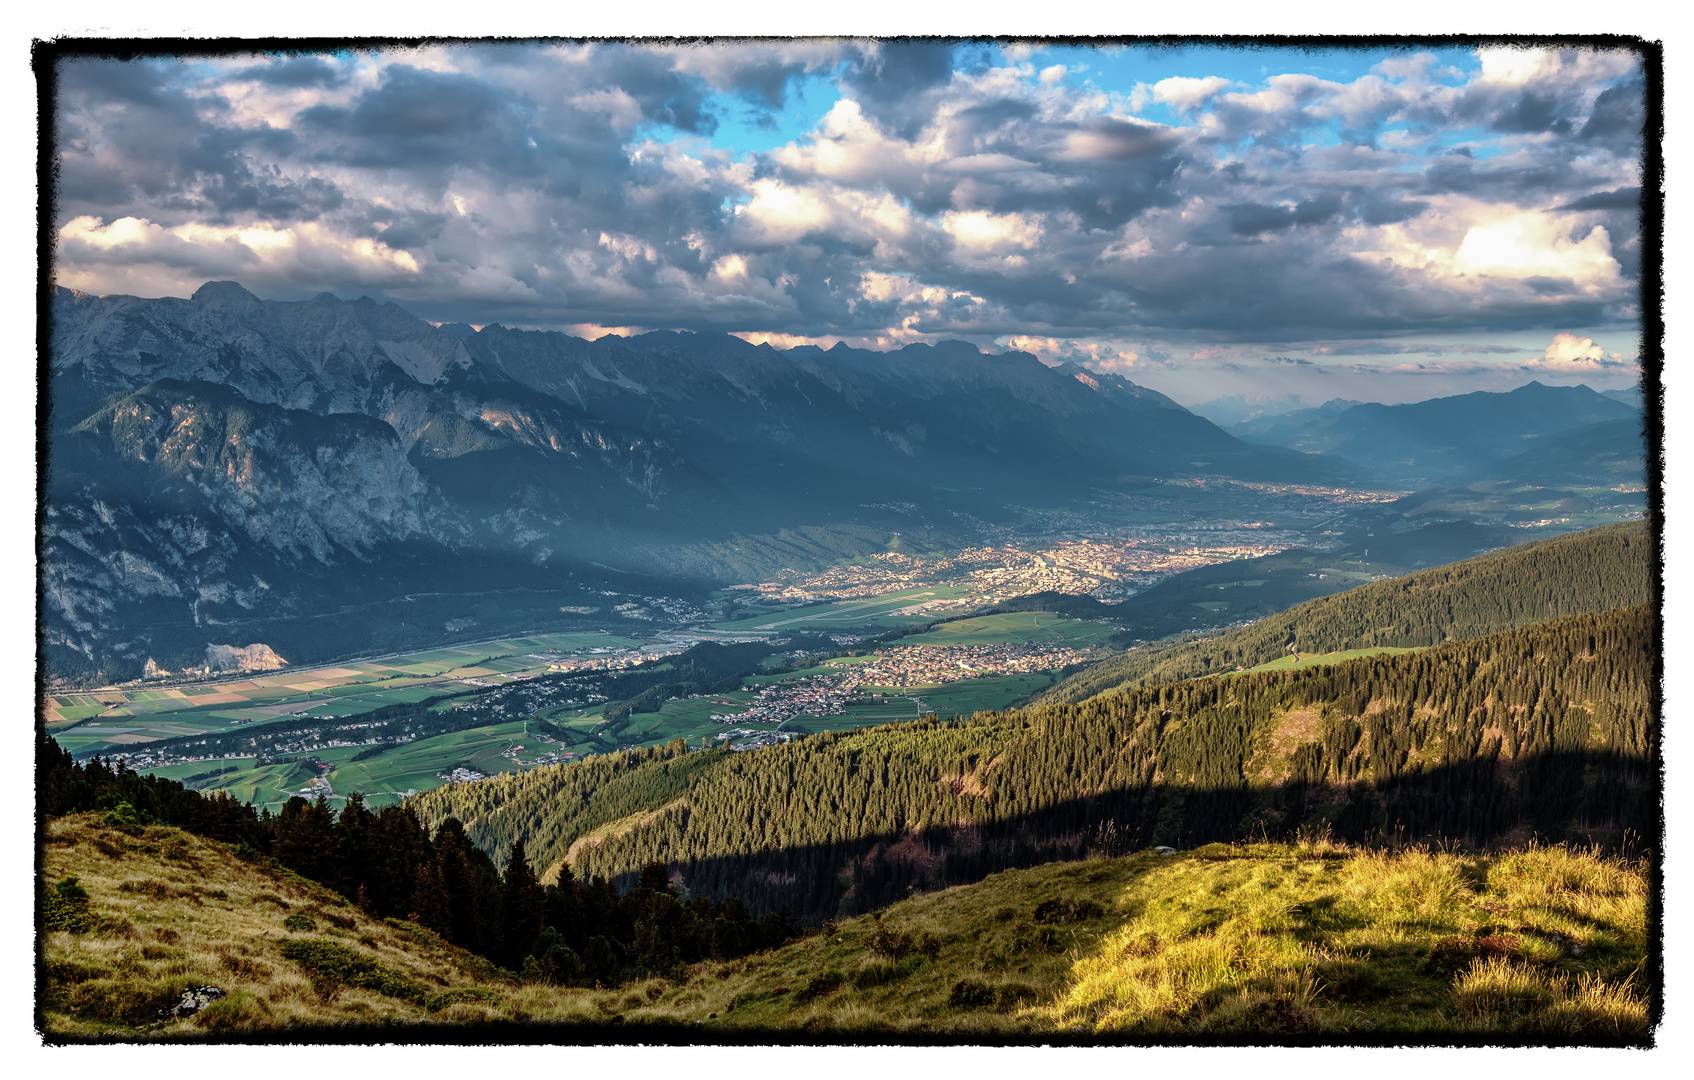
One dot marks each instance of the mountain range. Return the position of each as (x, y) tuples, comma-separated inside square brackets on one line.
[(1471, 436), (331, 476), (226, 461)]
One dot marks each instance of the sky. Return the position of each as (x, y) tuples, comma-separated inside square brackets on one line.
[(1382, 224)]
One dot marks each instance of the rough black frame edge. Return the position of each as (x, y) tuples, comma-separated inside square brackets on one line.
[(44, 58), (1652, 353)]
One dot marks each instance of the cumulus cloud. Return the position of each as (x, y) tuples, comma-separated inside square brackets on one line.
[(946, 190), (1568, 353)]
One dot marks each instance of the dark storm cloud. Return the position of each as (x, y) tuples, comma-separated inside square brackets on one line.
[(429, 121), (1529, 114), (1619, 115), (1251, 220), (1379, 211), (131, 138), (295, 71), (892, 85), (1627, 198)]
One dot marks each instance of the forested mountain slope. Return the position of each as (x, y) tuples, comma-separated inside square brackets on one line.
[(1544, 731), (1593, 570)]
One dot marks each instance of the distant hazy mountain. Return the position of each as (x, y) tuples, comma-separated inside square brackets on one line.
[(1442, 440), (221, 462), (1629, 396), (1273, 427), (1226, 412), (1610, 452)]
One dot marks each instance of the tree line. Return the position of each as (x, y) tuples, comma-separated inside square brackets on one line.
[(574, 932)]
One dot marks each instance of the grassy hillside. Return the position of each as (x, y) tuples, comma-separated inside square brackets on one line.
[(1593, 570), (1257, 942), (168, 910), (1545, 731)]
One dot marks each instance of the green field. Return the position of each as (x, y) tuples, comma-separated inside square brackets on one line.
[(1015, 627), (112, 719), (413, 766), (952, 699), (883, 612), (1306, 660), (381, 779)]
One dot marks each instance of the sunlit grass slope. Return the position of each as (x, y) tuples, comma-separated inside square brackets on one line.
[(168, 910), (1263, 942)]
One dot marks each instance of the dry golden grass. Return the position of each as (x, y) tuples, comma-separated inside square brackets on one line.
[(1262, 941), (170, 911), (1317, 939)]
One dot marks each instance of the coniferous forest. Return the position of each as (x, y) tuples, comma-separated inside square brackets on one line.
[(1544, 732), (1593, 570)]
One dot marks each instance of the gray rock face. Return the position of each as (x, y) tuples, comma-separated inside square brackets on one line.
[(301, 485), (192, 1001), (204, 449), (322, 355), (256, 657)]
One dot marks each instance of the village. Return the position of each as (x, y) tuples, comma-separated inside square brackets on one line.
[(1110, 570), (898, 669)]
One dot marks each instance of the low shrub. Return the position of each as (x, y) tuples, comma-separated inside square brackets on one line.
[(338, 965), (300, 922), (124, 999), (878, 973), (159, 890), (896, 945), (243, 967), (474, 995), (1451, 955), (238, 1010), (970, 994), (125, 818), (65, 906), (1039, 939), (343, 922), (821, 985), (1062, 909)]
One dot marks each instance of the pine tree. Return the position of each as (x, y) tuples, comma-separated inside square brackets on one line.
[(305, 838), (459, 881), (430, 906), (525, 906)]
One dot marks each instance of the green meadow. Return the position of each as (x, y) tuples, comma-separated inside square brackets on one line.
[(1016, 627), (882, 612), (1306, 660), (115, 718), (382, 778)]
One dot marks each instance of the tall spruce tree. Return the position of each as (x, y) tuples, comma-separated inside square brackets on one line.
[(525, 906)]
